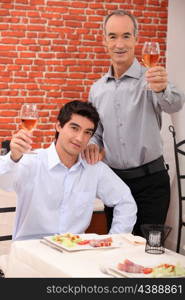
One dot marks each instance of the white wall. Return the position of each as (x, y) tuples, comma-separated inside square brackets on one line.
[(175, 55)]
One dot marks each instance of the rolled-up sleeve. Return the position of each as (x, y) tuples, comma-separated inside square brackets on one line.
[(171, 100)]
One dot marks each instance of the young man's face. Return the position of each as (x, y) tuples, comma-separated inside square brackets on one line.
[(74, 135), (120, 40)]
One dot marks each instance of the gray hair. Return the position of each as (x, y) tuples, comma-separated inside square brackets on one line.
[(121, 12)]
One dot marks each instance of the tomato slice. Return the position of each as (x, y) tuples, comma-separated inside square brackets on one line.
[(84, 242), (147, 270), (167, 266)]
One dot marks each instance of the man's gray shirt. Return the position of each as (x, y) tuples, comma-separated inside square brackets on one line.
[(130, 117)]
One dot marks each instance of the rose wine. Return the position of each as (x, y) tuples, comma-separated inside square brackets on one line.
[(150, 60), (28, 124)]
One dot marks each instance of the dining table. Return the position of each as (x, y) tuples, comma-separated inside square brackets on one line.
[(35, 258)]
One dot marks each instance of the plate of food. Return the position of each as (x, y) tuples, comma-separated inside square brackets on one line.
[(74, 242), (128, 268)]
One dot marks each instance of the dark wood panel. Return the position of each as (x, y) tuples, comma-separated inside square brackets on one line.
[(98, 223)]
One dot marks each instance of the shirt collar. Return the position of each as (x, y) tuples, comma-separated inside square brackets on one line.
[(54, 160), (134, 71)]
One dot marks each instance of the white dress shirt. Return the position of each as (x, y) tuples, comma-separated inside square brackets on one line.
[(52, 198)]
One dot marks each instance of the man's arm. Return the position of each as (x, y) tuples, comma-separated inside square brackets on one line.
[(94, 151), (9, 165), (20, 144), (115, 193), (166, 95)]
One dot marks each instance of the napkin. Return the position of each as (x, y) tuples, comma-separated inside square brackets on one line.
[(134, 239)]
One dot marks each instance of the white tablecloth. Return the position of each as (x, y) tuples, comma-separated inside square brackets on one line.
[(31, 258)]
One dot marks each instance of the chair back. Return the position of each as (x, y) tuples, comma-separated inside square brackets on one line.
[(179, 154), (7, 213)]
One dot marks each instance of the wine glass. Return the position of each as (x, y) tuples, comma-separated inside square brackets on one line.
[(29, 118), (150, 54)]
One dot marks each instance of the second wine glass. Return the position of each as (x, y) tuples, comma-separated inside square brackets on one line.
[(29, 118)]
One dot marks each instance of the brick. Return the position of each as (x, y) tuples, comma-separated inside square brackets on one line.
[(4, 26), (71, 95), (6, 61), (13, 33), (91, 25), (54, 94), (84, 69), (3, 86), (23, 61), (59, 3), (27, 54), (75, 18), (28, 41), (8, 126), (36, 93), (55, 23), (8, 93), (73, 88), (35, 28), (4, 12), (8, 113), (9, 41)]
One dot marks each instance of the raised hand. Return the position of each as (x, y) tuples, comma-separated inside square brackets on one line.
[(157, 78), (20, 144)]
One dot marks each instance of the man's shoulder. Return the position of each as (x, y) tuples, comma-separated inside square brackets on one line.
[(100, 81), (100, 165), (31, 159)]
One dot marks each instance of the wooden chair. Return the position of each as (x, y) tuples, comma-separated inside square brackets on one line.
[(98, 223), (179, 155)]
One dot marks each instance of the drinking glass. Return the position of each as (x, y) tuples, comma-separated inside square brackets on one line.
[(150, 54), (29, 118), (155, 235)]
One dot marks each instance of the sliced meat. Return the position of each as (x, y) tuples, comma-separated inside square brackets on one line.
[(130, 267), (101, 242)]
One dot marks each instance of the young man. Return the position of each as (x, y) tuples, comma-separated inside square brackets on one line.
[(56, 188), (129, 129)]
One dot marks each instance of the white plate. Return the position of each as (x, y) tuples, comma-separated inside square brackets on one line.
[(129, 275), (137, 275), (49, 239)]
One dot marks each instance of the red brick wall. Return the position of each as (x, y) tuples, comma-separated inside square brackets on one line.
[(51, 52)]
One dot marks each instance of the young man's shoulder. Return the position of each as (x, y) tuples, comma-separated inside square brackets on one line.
[(100, 165), (30, 159)]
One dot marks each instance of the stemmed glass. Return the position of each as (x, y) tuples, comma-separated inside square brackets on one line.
[(150, 54), (29, 118)]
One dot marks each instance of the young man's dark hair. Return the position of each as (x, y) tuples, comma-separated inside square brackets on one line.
[(85, 109)]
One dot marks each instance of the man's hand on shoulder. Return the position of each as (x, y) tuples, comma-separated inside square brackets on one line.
[(93, 154), (20, 144), (157, 78)]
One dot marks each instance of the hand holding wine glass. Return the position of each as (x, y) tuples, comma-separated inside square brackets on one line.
[(29, 118), (150, 54)]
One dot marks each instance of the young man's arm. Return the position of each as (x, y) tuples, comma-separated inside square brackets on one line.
[(9, 164), (115, 193)]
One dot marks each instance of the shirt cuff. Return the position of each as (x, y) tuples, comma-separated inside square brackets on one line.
[(10, 163), (164, 95)]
